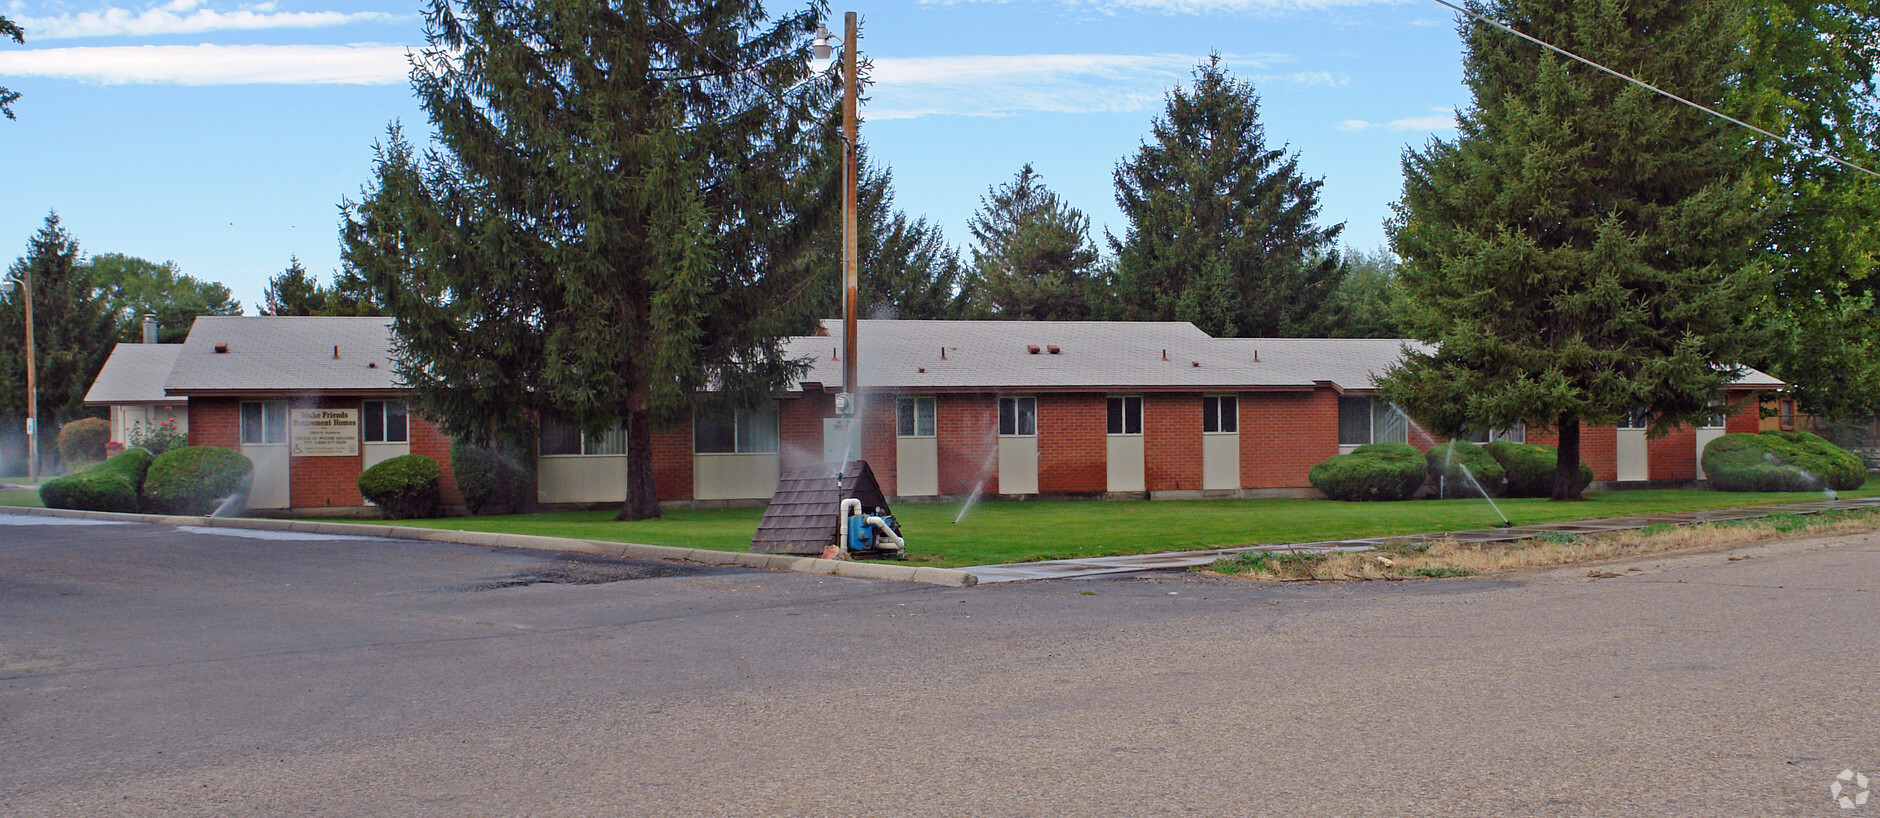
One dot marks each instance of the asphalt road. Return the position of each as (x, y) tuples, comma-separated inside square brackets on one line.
[(147, 670)]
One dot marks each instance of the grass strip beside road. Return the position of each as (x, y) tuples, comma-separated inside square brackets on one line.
[(1449, 558), (1026, 531)]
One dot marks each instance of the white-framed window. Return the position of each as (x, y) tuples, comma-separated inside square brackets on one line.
[(1018, 417), (1220, 414), (1719, 416), (264, 422), (727, 430), (914, 417), (1365, 419), (1125, 415), (1513, 434), (1638, 418), (384, 421), (563, 440)]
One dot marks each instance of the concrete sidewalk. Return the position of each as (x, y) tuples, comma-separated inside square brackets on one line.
[(1099, 566)]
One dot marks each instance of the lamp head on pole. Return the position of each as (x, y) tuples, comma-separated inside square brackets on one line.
[(820, 45)]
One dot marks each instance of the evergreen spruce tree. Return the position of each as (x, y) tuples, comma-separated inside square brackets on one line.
[(12, 31), (1583, 247), (1032, 254), (73, 331), (1221, 229), (293, 291), (907, 270), (617, 218), (1809, 75)]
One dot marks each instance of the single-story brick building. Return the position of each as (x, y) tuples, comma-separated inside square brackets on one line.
[(949, 409), (312, 402), (131, 386)]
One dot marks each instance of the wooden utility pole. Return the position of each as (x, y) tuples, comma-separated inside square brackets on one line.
[(851, 286)]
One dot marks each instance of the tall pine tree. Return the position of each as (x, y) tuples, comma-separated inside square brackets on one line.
[(907, 270), (74, 328), (1032, 254), (1221, 228), (1582, 248), (1809, 75), (617, 218)]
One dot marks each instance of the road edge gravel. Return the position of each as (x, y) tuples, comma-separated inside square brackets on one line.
[(773, 562)]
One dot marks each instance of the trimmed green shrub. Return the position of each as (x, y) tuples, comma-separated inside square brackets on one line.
[(1447, 462), (1780, 461), (1529, 468), (1377, 471), (403, 487), (193, 479), (491, 479), (82, 440), (110, 486)]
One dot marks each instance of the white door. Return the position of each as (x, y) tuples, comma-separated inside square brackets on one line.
[(1629, 449), (916, 448), (1018, 445), (264, 443), (1220, 442), (1123, 447)]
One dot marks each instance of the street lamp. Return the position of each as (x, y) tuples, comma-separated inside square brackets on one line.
[(851, 291), (32, 384)]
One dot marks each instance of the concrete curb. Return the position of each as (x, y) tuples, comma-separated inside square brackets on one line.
[(887, 572)]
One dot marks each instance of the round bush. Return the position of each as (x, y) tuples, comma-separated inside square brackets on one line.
[(1529, 468), (491, 479), (89, 491), (1378, 471), (1448, 462), (1780, 461), (82, 440), (195, 479), (403, 487), (110, 486)]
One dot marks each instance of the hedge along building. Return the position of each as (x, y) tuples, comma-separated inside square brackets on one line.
[(1086, 408), (311, 401)]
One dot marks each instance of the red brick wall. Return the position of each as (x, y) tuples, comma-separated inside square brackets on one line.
[(215, 422), (1598, 448), (966, 434), (1746, 416), (1072, 452), (1674, 456), (878, 448), (672, 462), (323, 482), (1171, 428), (1284, 434), (800, 428), (429, 440)]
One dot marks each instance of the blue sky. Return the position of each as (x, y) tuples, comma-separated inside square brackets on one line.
[(223, 135)]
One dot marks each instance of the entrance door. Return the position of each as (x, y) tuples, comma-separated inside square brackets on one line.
[(1629, 449), (1018, 445), (1123, 449), (1220, 442), (264, 443)]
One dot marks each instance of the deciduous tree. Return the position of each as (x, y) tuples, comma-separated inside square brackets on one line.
[(137, 287), (1222, 229), (73, 330), (1583, 247)]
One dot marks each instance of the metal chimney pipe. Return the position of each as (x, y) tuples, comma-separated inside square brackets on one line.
[(150, 328)]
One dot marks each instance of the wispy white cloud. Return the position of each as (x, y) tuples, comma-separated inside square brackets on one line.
[(1306, 78), (1051, 83), (185, 17), (214, 64), (1443, 119)]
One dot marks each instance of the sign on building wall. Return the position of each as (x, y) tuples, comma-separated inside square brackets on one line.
[(324, 433)]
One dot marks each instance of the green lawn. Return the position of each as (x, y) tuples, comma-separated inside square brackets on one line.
[(20, 498), (999, 532)]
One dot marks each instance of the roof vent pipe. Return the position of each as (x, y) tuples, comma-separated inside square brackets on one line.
[(943, 353), (336, 352), (1165, 355), (150, 328), (1256, 356)]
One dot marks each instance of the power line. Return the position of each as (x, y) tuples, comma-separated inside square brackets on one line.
[(1660, 91)]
